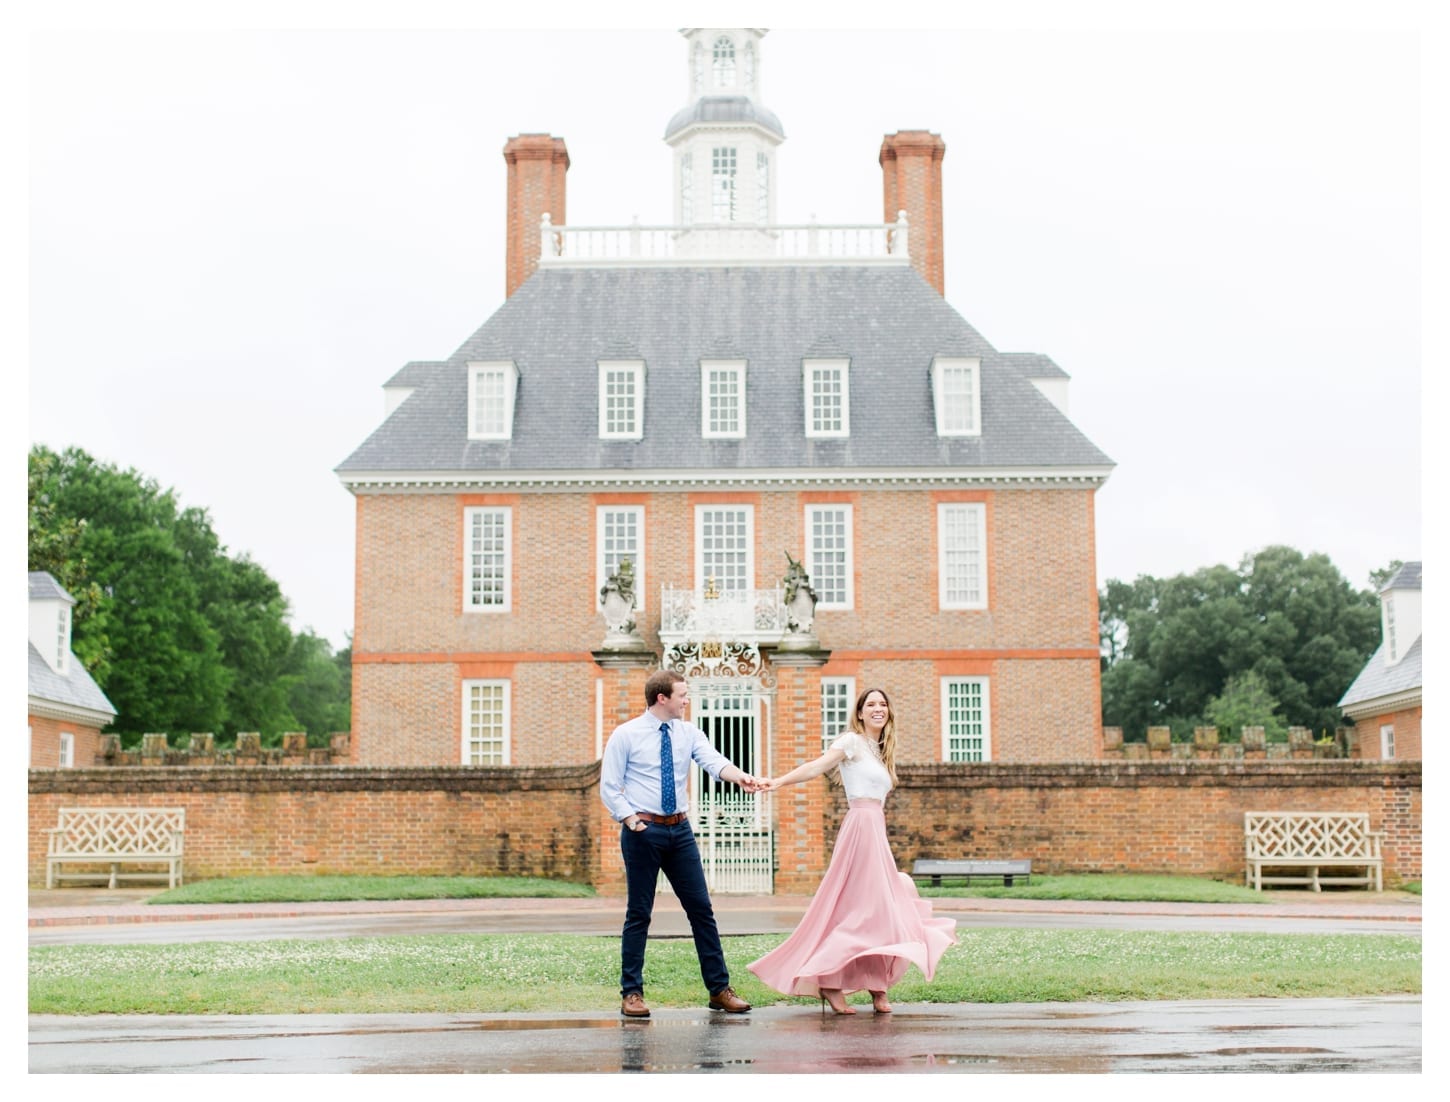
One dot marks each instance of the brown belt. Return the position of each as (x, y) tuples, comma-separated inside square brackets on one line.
[(662, 820)]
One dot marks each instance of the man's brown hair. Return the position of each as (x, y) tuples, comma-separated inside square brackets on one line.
[(660, 683)]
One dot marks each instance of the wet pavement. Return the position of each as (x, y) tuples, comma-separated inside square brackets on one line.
[(1363, 1035), (1380, 1035)]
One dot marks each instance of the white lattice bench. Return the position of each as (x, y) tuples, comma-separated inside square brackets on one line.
[(1309, 841), (116, 836)]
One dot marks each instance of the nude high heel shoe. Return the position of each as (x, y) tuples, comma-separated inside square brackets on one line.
[(837, 1001), (879, 1003)]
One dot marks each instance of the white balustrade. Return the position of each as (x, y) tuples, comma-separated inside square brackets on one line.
[(716, 242)]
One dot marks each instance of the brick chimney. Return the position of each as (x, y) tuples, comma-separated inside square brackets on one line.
[(537, 164), (911, 181)]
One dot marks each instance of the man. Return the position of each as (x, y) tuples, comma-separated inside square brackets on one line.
[(656, 835)]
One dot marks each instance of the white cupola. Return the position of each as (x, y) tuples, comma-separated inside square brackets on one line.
[(724, 140)]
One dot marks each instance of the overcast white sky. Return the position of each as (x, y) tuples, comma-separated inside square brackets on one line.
[(236, 236)]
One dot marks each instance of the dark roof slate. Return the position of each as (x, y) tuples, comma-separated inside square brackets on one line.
[(561, 321), (76, 688)]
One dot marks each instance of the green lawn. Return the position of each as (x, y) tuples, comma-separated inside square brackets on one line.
[(303, 889), (1104, 886), (486, 973)]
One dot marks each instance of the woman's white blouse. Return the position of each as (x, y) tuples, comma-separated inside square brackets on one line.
[(863, 774)]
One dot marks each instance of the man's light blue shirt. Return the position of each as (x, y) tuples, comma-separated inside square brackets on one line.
[(629, 776)]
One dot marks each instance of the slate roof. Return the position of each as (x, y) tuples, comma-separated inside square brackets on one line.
[(1378, 680), (76, 688), (44, 587), (561, 321), (724, 109), (1406, 577)]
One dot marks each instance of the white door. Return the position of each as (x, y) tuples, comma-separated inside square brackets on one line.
[(732, 826)]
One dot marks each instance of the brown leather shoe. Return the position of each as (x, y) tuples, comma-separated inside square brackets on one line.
[(729, 1002), (633, 1006)]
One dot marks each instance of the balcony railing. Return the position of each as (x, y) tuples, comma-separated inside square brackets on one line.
[(722, 243), (728, 615)]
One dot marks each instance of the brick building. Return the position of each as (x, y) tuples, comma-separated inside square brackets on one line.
[(1387, 698), (66, 708), (709, 401)]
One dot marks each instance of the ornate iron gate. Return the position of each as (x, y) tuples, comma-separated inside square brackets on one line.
[(732, 826)]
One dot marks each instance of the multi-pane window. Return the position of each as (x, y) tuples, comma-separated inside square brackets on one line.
[(962, 557), (722, 184), (491, 389), (762, 187), (838, 697), (722, 408), (62, 640), (621, 400), (827, 397), (828, 554), (966, 733), (687, 189), (724, 62), (621, 536), (1387, 740), (723, 542), (485, 723), (957, 393), (67, 750), (486, 559), (1390, 644)]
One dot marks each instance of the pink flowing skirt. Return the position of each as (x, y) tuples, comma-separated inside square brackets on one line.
[(866, 923)]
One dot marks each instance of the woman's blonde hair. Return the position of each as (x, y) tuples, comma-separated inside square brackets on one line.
[(887, 746)]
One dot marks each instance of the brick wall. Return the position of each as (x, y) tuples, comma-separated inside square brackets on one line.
[(45, 735), (1150, 817), (413, 644), (1407, 734)]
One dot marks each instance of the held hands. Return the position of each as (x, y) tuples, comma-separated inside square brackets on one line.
[(756, 784)]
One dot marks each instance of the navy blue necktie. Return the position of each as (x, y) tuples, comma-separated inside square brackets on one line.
[(667, 772)]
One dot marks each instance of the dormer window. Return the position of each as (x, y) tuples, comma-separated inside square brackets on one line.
[(956, 393), (62, 640), (722, 399), (1390, 643), (827, 397), (621, 399), (724, 63), (491, 390)]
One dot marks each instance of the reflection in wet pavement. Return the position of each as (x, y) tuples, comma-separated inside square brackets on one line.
[(1309, 1035)]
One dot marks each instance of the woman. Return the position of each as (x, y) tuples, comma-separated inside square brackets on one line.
[(865, 924)]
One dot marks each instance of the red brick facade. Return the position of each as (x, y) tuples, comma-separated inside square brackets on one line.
[(1406, 724), (414, 645), (1184, 818), (45, 740)]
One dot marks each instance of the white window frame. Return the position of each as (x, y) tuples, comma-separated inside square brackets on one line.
[(722, 62), (977, 511), (985, 697), (1387, 740), (810, 370), (470, 603), (634, 370), (687, 189), (724, 183), (500, 425), (67, 758), (762, 188), (725, 368), (468, 744), (958, 405), (748, 518), (601, 566), (845, 688), (813, 552)]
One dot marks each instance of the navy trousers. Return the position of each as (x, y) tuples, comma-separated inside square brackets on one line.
[(671, 850)]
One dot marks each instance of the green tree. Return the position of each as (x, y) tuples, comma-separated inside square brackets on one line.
[(183, 637), (1246, 702), (1171, 645)]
